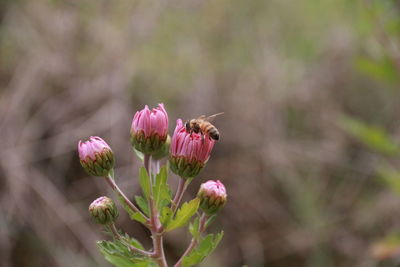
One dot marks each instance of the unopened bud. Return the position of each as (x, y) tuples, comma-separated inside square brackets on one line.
[(96, 156), (103, 210), (212, 196), (189, 152), (149, 130)]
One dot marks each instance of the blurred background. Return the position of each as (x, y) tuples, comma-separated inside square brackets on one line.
[(309, 148)]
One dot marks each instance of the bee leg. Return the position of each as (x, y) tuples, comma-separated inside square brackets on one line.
[(202, 138)]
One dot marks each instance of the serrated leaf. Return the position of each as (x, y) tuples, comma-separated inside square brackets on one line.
[(194, 228), (132, 241), (144, 182), (120, 256), (142, 203), (373, 136), (206, 246), (138, 217), (166, 215), (161, 190), (184, 214)]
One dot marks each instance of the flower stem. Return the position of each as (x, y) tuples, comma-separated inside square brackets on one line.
[(194, 242), (125, 199), (183, 184), (156, 227)]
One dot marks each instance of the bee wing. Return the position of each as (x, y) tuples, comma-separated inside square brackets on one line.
[(211, 117)]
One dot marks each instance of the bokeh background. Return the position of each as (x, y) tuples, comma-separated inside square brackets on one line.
[(309, 149)]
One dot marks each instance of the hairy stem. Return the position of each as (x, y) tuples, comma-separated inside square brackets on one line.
[(127, 202), (183, 184), (155, 224), (194, 242), (132, 248)]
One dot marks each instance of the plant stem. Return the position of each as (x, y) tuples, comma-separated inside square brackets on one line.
[(158, 255), (183, 184), (146, 162), (116, 189), (132, 248), (155, 224), (194, 242)]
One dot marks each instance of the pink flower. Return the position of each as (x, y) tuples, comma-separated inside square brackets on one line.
[(151, 121), (212, 196), (149, 129), (96, 156), (189, 151)]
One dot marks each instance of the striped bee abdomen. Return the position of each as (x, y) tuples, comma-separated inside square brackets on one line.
[(212, 131)]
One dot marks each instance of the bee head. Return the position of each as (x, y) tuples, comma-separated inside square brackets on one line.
[(187, 126)]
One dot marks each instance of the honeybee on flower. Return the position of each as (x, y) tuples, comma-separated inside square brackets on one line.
[(203, 126)]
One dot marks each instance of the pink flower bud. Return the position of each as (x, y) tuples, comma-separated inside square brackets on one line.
[(149, 129), (212, 196), (96, 156), (103, 210), (189, 152)]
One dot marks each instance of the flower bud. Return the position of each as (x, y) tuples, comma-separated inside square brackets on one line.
[(96, 156), (212, 196), (149, 129), (103, 210), (189, 152)]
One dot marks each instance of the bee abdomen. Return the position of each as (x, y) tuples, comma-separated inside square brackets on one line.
[(213, 132)]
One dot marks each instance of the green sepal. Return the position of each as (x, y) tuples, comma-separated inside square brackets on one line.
[(151, 145), (139, 154)]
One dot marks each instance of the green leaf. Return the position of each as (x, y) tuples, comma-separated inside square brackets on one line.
[(131, 213), (142, 203), (144, 182), (184, 214), (194, 228), (119, 255), (132, 241), (383, 69), (204, 248), (373, 136), (166, 215), (161, 190), (391, 177), (210, 220), (138, 217)]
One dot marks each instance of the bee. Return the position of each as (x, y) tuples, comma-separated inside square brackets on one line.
[(203, 126)]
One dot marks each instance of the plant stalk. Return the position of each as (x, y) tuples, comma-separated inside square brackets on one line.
[(116, 189), (183, 184), (194, 242), (155, 224)]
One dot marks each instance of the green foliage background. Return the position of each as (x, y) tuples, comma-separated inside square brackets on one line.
[(309, 148)]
